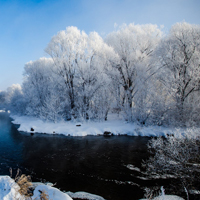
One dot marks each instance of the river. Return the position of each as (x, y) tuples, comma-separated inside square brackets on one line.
[(94, 164)]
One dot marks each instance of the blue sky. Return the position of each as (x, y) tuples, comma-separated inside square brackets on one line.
[(26, 26)]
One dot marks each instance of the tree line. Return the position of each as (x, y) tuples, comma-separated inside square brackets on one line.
[(137, 71)]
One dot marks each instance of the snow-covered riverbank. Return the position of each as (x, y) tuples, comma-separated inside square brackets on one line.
[(114, 126), (9, 190)]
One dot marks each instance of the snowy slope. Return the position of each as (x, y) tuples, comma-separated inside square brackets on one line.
[(51, 192), (9, 189)]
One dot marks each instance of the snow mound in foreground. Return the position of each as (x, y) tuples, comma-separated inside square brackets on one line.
[(84, 195), (51, 192), (9, 189)]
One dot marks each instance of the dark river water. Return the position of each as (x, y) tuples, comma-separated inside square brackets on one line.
[(94, 164)]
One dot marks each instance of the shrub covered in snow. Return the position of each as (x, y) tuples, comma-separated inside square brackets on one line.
[(176, 156)]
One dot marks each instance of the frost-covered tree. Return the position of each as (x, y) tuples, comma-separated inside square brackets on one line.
[(2, 99), (85, 76), (175, 156), (14, 99), (41, 90), (17, 102), (66, 50), (134, 46), (158, 103), (78, 63), (179, 57), (92, 81)]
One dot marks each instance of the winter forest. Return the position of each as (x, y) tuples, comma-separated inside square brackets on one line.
[(138, 72)]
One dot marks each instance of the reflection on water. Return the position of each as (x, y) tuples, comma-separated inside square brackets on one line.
[(94, 164)]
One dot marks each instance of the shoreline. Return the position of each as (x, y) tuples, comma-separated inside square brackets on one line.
[(111, 127), (10, 189)]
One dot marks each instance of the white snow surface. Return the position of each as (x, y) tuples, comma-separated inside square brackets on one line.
[(9, 189), (51, 192), (115, 126), (166, 197), (85, 195)]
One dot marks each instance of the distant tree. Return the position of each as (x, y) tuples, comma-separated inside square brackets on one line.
[(2, 99), (14, 99)]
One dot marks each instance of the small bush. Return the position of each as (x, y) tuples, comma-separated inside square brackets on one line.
[(179, 157), (43, 195), (24, 183)]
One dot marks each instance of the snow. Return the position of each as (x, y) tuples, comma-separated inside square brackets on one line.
[(115, 126), (9, 189), (84, 195), (166, 197), (51, 192), (133, 168), (194, 191)]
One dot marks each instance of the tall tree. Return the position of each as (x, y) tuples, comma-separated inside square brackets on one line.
[(66, 50), (78, 60), (134, 46), (41, 90), (179, 57)]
